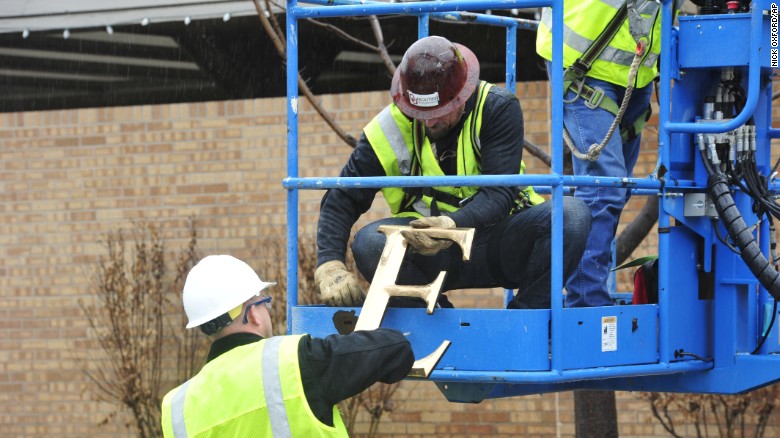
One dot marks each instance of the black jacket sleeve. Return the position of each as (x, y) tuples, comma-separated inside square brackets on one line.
[(337, 367), (341, 208), (501, 140)]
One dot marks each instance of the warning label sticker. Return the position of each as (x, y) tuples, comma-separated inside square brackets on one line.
[(608, 333)]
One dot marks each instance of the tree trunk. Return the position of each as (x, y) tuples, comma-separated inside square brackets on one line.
[(595, 414), (636, 231)]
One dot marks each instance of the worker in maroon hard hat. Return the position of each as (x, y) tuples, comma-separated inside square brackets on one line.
[(445, 121)]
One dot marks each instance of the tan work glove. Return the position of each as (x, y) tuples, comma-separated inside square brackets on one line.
[(426, 245), (337, 286)]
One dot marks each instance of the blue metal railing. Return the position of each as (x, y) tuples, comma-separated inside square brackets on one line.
[(754, 70), (562, 372), (426, 9), (553, 183)]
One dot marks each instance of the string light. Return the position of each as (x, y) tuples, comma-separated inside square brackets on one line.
[(146, 21)]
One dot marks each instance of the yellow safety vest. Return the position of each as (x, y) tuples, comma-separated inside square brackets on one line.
[(254, 390), (583, 22), (402, 153)]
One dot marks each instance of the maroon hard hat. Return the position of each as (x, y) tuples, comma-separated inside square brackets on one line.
[(434, 78)]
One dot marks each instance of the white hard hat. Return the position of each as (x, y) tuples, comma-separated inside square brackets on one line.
[(216, 285)]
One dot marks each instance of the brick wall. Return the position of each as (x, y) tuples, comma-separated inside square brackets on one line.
[(69, 177)]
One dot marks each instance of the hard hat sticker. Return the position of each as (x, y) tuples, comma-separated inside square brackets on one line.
[(424, 100)]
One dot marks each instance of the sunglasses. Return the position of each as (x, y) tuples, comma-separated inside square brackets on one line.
[(263, 300)]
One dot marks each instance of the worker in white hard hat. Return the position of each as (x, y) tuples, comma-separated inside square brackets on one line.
[(255, 384)]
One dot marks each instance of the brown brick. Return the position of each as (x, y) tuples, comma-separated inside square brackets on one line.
[(70, 176)]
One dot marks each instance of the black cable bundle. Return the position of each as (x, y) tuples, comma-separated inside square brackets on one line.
[(755, 185), (751, 254)]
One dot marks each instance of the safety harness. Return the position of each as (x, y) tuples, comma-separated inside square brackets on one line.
[(471, 128), (595, 97)]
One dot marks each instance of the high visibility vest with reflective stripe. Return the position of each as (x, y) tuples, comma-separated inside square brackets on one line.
[(254, 390), (583, 22), (391, 135)]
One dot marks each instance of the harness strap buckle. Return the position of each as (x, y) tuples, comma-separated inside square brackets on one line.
[(576, 71), (596, 96)]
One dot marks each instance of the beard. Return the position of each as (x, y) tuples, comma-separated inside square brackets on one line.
[(444, 125), (438, 131)]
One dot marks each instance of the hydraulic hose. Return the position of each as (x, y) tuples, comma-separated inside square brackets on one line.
[(750, 253)]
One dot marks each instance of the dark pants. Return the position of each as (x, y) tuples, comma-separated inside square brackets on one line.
[(522, 259)]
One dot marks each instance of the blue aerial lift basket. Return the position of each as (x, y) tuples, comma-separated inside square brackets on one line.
[(703, 334)]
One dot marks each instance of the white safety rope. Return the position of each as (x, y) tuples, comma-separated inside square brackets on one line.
[(595, 149)]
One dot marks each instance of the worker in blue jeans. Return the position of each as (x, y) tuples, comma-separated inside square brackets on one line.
[(610, 57), (587, 287)]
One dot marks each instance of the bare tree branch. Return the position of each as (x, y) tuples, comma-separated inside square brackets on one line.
[(380, 42), (278, 42), (274, 22), (537, 152), (662, 415), (127, 320), (344, 35), (637, 230)]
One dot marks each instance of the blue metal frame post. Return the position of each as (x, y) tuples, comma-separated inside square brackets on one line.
[(511, 59), (424, 10), (423, 25), (556, 286), (663, 217), (292, 161)]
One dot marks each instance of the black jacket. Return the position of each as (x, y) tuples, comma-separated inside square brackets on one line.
[(337, 367)]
